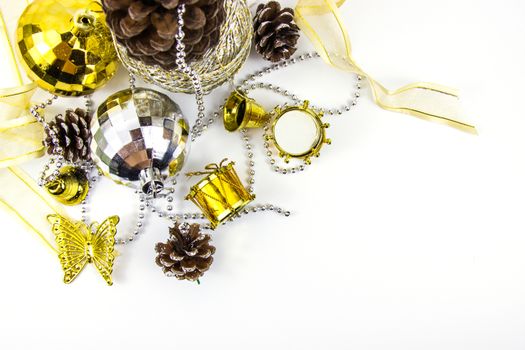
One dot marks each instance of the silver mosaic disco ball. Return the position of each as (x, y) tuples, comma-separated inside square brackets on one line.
[(140, 138)]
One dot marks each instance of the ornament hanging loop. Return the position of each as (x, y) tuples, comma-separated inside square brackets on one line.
[(151, 181), (84, 21)]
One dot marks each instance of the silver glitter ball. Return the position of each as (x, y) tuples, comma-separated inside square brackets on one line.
[(140, 138)]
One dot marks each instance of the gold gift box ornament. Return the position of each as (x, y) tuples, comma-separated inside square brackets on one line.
[(221, 194)]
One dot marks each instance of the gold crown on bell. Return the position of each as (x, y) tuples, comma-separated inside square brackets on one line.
[(220, 195), (242, 112)]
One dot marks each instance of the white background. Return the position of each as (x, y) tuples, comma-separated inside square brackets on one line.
[(405, 234)]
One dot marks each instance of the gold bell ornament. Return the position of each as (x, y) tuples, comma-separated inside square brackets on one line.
[(241, 111), (65, 46), (220, 195), (70, 187)]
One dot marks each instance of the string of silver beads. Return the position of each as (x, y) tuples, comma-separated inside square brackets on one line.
[(94, 175), (180, 60), (249, 85), (207, 226), (298, 101), (57, 158), (251, 163), (260, 208), (144, 202), (197, 131), (139, 225), (168, 212), (57, 161), (88, 169), (200, 126), (246, 86)]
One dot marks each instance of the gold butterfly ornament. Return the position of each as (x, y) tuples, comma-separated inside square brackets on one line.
[(79, 244)]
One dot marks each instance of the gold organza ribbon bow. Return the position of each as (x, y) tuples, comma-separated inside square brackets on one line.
[(321, 22), (20, 134), (20, 141)]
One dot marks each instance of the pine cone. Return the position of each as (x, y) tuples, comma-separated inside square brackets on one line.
[(276, 34), (73, 133), (187, 254), (148, 27)]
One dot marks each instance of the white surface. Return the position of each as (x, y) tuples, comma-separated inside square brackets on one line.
[(405, 234)]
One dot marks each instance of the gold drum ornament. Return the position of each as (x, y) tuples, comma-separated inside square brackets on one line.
[(65, 46), (70, 187), (220, 195), (241, 112)]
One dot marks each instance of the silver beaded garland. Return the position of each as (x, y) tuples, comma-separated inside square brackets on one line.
[(57, 160)]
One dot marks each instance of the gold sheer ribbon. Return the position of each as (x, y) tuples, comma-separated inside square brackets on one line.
[(22, 197), (20, 141), (20, 134), (321, 22)]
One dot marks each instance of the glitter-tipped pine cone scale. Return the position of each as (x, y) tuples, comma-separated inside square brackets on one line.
[(276, 34)]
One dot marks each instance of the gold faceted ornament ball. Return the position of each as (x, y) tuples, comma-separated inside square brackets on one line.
[(70, 187), (65, 46)]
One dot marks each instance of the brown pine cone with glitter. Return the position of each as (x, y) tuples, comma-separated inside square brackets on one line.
[(276, 34), (187, 254), (73, 133), (148, 27)]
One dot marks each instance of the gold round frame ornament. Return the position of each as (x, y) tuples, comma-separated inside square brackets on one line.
[(218, 64), (317, 144)]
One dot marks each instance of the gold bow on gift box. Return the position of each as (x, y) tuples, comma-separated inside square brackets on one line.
[(321, 22)]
